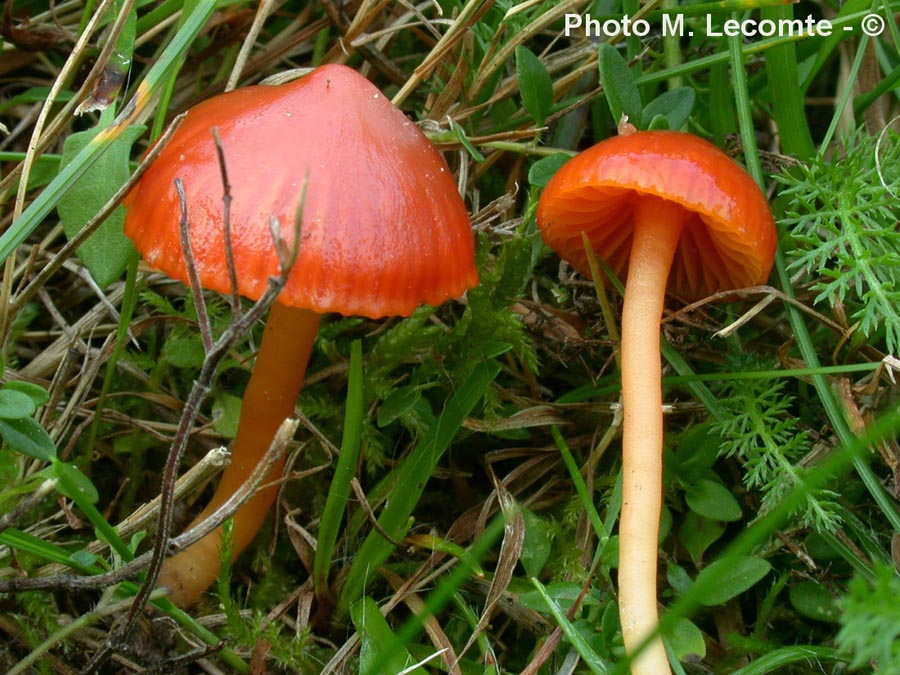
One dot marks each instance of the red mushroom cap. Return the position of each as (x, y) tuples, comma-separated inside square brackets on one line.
[(384, 229), (728, 242)]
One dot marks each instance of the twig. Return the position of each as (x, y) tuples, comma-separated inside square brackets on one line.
[(373, 519), (769, 291), (65, 632), (197, 395), (170, 664), (226, 226), (72, 583), (237, 329), (277, 448), (266, 7), (184, 230), (210, 464), (12, 517)]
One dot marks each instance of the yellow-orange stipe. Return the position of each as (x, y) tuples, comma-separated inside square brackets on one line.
[(671, 211)]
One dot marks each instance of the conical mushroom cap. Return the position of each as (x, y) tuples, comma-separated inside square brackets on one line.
[(383, 226), (728, 242)]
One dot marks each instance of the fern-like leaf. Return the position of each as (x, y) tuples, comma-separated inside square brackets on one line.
[(870, 630), (764, 435), (842, 216)]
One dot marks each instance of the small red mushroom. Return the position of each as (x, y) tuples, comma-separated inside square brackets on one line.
[(669, 210), (384, 230)]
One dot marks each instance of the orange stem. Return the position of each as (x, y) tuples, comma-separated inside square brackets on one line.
[(268, 400), (657, 229)]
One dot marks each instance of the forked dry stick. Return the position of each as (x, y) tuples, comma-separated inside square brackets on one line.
[(215, 351), (71, 583)]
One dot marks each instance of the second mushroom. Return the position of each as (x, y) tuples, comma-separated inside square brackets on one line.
[(669, 210)]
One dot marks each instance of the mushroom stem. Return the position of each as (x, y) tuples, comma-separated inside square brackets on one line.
[(268, 400), (657, 228)]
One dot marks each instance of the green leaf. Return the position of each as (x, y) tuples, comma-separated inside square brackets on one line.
[(674, 105), (138, 537), (226, 412), (25, 435), (788, 103), (74, 484), (695, 454), (106, 251), (458, 133), (803, 656), (712, 500), (731, 578), (490, 349), (842, 215), (29, 543), (83, 559), (537, 545), (193, 21), (542, 170), (678, 578), (687, 640), (622, 93), (698, 534), (378, 643), (15, 404), (35, 95), (814, 601), (535, 85), (43, 171), (870, 618), (184, 352), (8, 478), (115, 73), (657, 123), (35, 392), (398, 403)]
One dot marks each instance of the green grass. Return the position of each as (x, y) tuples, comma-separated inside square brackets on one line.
[(483, 434)]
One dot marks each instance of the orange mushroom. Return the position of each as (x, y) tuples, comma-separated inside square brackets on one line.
[(384, 230), (669, 210)]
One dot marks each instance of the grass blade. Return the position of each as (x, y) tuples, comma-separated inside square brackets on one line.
[(588, 655), (339, 492), (410, 478), (84, 160), (784, 85)]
